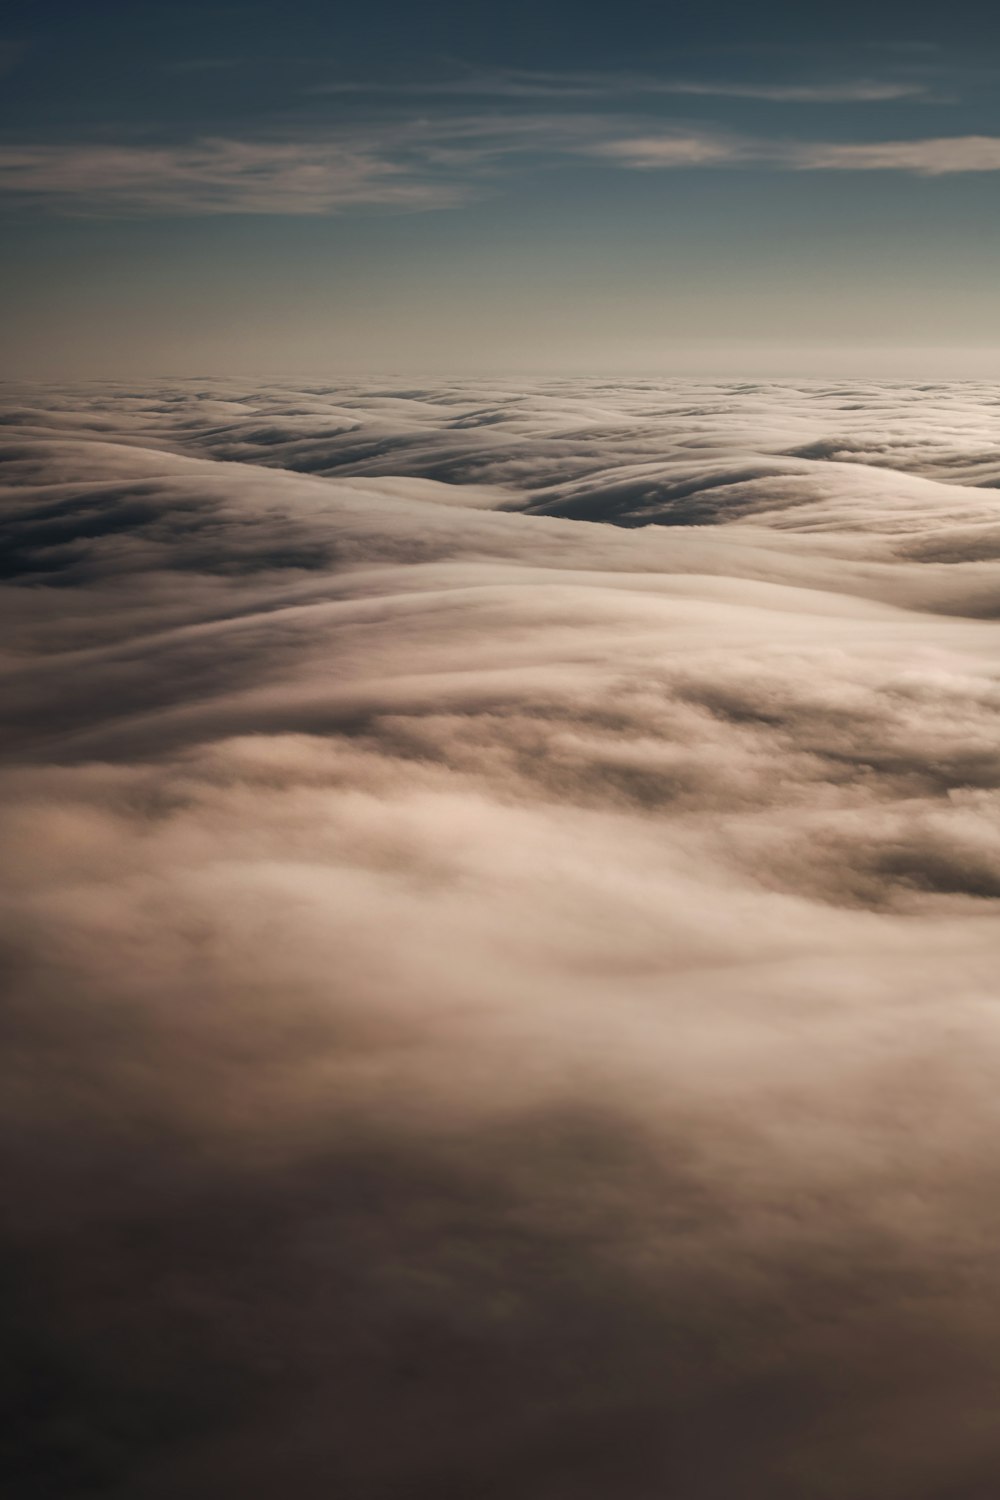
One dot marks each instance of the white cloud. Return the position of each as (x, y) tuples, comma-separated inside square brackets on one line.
[(675, 150), (218, 176), (936, 157), (525, 84), (859, 91), (419, 163)]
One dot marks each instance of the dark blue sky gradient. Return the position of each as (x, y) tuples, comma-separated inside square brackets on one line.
[(141, 64), (530, 231)]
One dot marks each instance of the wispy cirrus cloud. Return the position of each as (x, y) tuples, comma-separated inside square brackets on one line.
[(423, 163), (857, 91), (532, 84), (675, 150), (928, 158), (934, 157), (218, 176)]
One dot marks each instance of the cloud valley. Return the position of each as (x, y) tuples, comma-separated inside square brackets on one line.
[(500, 930)]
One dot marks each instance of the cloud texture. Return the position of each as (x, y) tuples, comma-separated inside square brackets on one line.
[(427, 162), (502, 1003), (217, 176), (937, 157)]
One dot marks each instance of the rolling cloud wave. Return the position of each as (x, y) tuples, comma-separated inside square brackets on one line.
[(499, 918)]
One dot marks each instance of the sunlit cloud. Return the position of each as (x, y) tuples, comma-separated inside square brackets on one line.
[(928, 158), (424, 162), (217, 176), (680, 150)]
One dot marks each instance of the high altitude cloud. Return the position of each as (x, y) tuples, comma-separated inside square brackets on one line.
[(402, 163), (425, 162), (217, 176), (859, 91), (929, 158), (501, 1004), (517, 83), (677, 149)]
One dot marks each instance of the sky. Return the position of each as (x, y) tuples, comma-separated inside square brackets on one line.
[(271, 189)]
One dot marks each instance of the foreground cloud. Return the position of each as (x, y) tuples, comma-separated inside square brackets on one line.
[(498, 1003), (931, 158)]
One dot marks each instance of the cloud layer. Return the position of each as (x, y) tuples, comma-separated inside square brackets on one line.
[(937, 157), (428, 162), (216, 176), (533, 84), (500, 1002)]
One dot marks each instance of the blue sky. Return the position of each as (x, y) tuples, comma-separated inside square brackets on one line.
[(312, 188)]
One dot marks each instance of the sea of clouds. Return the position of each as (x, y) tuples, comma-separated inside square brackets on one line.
[(500, 929)]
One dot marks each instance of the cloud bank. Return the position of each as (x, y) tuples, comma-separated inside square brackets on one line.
[(499, 922)]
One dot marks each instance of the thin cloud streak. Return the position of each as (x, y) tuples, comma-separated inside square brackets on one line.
[(419, 164), (217, 176), (663, 151), (935, 157), (930, 158), (859, 92), (407, 164), (518, 84)]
